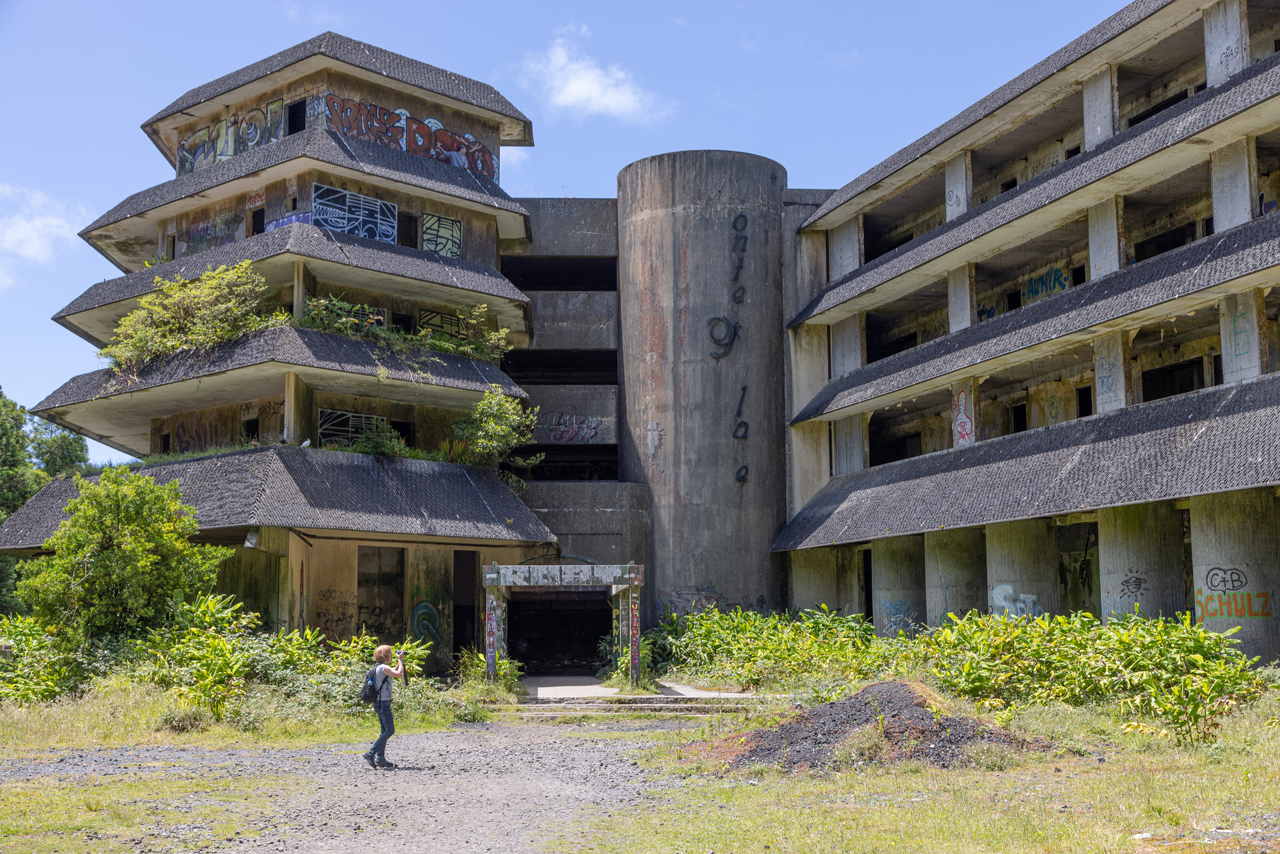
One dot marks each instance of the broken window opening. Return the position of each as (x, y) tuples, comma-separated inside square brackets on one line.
[(1171, 380), (250, 429), (1018, 418), (1084, 401), (257, 221), (407, 230), (1013, 300), (297, 117), (1165, 242)]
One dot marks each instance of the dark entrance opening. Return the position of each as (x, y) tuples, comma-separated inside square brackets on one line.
[(558, 631), (380, 592), (465, 572)]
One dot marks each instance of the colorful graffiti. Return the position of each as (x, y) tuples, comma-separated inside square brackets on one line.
[(962, 420), (566, 426), (690, 599), (397, 129), (425, 623), (304, 218), (231, 136), (352, 213), (219, 229), (899, 616)]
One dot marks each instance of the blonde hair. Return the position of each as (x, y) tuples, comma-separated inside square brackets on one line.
[(382, 654)]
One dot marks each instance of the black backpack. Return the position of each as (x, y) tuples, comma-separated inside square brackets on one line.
[(368, 693)]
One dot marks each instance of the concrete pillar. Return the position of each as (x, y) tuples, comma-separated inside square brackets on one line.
[(1226, 41), (1101, 108), (845, 248), (1235, 554), (1106, 237), (1141, 561), (299, 411), (1113, 388), (850, 444), (1233, 173), (955, 573), (827, 576), (1022, 568), (959, 184), (897, 585), (700, 308), (1242, 323), (962, 298), (964, 412), (848, 345), (808, 444)]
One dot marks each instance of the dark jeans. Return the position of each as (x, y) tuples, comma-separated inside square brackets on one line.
[(383, 707)]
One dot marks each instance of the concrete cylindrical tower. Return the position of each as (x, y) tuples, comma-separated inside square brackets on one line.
[(700, 293)]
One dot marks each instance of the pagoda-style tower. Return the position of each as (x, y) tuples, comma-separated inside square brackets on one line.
[(338, 169)]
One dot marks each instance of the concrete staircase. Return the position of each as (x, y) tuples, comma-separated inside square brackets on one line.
[(658, 705)]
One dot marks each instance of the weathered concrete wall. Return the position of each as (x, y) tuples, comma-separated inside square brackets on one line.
[(898, 594), (1022, 568), (700, 272), (575, 414), (830, 577), (1235, 549), (218, 426), (605, 521), (1140, 560), (955, 571), (573, 227), (574, 320)]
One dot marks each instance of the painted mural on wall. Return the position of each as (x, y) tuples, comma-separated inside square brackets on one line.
[(352, 213), (689, 599), (397, 129), (339, 428), (442, 235), (304, 218), (231, 136), (218, 229)]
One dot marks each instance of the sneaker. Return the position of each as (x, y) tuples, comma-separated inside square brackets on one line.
[(383, 763), (368, 757)]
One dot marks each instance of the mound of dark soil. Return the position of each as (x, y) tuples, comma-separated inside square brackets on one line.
[(911, 728)]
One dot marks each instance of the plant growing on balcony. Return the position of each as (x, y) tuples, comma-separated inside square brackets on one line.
[(476, 341), (219, 306)]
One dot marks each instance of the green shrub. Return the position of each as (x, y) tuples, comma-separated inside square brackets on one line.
[(470, 668), (220, 306), (34, 669), (475, 341)]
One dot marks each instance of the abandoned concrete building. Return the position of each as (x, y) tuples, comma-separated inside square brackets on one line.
[(1023, 366)]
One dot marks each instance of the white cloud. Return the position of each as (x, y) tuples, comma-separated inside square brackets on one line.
[(575, 82), (580, 30), (41, 227), (309, 14)]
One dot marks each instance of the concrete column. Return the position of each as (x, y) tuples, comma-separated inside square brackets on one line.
[(964, 412), (1106, 237), (808, 444), (962, 298), (848, 345), (897, 585), (1235, 554), (1241, 322), (1226, 40), (959, 184), (1112, 387), (1140, 560), (955, 573), (1022, 568), (1233, 173), (850, 444), (299, 410), (300, 284), (1101, 108), (845, 248)]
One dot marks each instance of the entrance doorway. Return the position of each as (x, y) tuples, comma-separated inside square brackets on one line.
[(466, 572), (559, 631), (380, 593)]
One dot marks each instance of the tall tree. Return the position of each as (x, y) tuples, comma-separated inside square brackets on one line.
[(58, 452), (19, 480)]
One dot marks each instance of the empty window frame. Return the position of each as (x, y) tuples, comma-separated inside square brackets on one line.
[(1158, 108), (1174, 379), (340, 429), (1084, 401), (1008, 185), (407, 230), (297, 118), (1164, 242), (1018, 418), (257, 221), (1012, 300)]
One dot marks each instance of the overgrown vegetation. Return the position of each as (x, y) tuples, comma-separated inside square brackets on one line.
[(219, 306), (1174, 677), (475, 339)]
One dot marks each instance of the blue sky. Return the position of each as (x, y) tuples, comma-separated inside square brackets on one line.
[(826, 89)]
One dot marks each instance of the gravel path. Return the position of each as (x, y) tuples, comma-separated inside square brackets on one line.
[(478, 788)]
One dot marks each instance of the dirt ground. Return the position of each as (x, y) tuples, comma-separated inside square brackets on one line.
[(475, 788)]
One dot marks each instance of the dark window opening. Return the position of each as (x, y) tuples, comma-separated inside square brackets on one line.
[(466, 566), (407, 231), (1073, 152), (1008, 185), (1217, 369), (866, 585), (403, 322), (1077, 276), (380, 593), (561, 273), (258, 221), (297, 117), (166, 442), (404, 429), (1200, 87), (879, 348), (562, 367), (885, 246), (1208, 226), (293, 203), (170, 247), (1164, 242), (1158, 108), (250, 428), (558, 631), (1012, 300), (1171, 380), (893, 450), (570, 462), (1018, 418), (1084, 401)]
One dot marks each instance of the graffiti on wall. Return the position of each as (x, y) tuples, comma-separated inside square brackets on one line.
[(962, 420), (425, 623), (1227, 597), (231, 136), (689, 599), (218, 229), (339, 428), (397, 129), (304, 218), (899, 616), (442, 235), (352, 213), (566, 426), (1051, 281), (1005, 601), (336, 613)]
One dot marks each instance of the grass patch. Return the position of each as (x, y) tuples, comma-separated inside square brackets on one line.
[(119, 813)]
